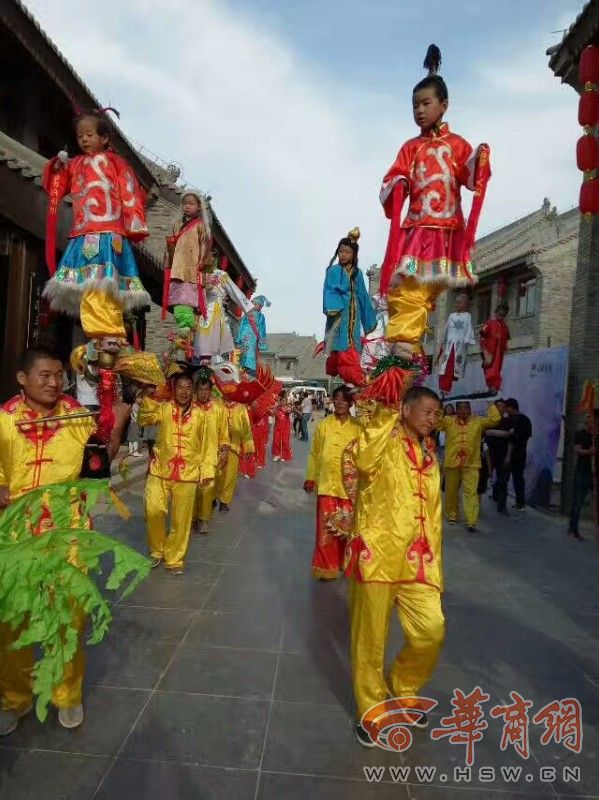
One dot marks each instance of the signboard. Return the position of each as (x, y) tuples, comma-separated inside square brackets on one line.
[(537, 379)]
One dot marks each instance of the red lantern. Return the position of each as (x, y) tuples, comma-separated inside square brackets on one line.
[(587, 153), (588, 108), (589, 197), (588, 69)]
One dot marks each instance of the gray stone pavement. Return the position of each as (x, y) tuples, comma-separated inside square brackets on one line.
[(232, 681)]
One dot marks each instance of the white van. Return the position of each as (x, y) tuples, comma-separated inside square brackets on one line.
[(315, 391)]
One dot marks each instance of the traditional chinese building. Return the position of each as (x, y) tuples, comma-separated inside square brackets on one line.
[(530, 264), (564, 61), (37, 93), (290, 357)]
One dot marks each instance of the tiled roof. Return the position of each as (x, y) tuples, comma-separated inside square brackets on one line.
[(563, 58), (21, 159), (300, 348), (523, 237), (21, 22)]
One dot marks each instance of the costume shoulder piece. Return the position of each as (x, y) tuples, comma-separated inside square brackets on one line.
[(12, 405)]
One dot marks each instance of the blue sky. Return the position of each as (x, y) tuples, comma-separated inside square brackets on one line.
[(289, 112)]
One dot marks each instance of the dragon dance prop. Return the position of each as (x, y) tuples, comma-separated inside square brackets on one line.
[(49, 579)]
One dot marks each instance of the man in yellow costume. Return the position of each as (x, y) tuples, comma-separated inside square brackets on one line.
[(240, 440), (216, 422), (463, 434), (183, 457), (34, 454), (394, 555)]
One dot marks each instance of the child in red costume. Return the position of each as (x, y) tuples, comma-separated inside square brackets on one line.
[(97, 278), (281, 436), (494, 338), (430, 249)]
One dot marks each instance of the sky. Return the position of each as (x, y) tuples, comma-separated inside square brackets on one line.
[(289, 112)]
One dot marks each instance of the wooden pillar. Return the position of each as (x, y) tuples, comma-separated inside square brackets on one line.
[(17, 312), (584, 341)]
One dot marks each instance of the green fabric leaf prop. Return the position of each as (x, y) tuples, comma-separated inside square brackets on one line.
[(48, 583)]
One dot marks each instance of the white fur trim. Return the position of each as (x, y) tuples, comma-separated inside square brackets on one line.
[(66, 297)]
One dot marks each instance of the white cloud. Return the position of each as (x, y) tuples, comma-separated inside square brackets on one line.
[(292, 160)]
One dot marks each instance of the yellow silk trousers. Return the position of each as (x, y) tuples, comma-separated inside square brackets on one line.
[(101, 315), (467, 477), (204, 502), (409, 304), (226, 480), (15, 673), (181, 496), (421, 618)]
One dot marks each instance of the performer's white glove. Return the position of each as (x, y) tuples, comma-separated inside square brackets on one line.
[(63, 156)]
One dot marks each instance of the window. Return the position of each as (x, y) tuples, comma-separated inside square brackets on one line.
[(527, 298), (484, 306), (289, 365)]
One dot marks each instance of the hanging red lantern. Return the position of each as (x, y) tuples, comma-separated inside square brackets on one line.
[(587, 153), (588, 108), (502, 287), (588, 68), (589, 197)]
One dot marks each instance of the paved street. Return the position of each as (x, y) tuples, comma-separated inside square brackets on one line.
[(232, 682)]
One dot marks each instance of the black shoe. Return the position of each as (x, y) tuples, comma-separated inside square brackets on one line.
[(503, 511), (362, 736), (519, 508), (471, 528), (223, 508), (576, 536)]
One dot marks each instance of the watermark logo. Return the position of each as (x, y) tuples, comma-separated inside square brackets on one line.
[(390, 724)]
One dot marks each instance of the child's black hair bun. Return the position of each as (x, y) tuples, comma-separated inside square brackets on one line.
[(432, 59)]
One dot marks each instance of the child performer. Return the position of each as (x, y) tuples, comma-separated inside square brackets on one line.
[(494, 338), (241, 442), (213, 338), (97, 277), (394, 556), (348, 308), (183, 457), (216, 429), (187, 254), (324, 476), (281, 435), (251, 336), (430, 249), (458, 336)]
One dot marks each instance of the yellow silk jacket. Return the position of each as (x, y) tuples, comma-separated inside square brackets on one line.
[(397, 527), (331, 437), (462, 439), (186, 449), (240, 430), (37, 455)]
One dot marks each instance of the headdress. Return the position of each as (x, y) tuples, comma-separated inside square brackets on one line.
[(351, 240)]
